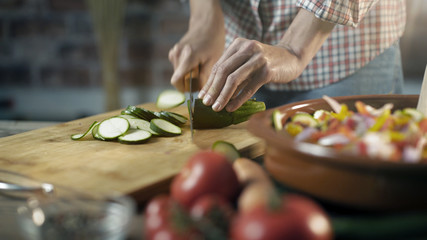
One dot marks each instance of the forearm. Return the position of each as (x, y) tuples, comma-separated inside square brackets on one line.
[(206, 12), (305, 36)]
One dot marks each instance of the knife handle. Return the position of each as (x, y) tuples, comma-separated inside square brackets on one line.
[(193, 75)]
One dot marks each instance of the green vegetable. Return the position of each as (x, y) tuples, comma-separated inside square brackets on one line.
[(165, 128), (170, 99), (205, 117), (226, 148), (135, 136)]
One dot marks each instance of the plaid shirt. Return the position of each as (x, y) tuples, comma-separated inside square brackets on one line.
[(365, 28)]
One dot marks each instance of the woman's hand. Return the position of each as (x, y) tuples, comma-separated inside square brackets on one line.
[(202, 45), (244, 67), (248, 64)]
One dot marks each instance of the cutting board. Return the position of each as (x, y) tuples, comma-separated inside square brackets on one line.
[(105, 167)]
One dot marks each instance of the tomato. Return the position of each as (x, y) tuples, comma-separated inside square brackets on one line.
[(295, 217), (206, 172), (165, 219), (212, 211)]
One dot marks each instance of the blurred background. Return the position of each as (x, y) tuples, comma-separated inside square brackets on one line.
[(51, 60)]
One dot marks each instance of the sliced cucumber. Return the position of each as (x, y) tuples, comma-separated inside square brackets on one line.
[(277, 118), (79, 136), (135, 136), (165, 128), (226, 148), (112, 128), (170, 99)]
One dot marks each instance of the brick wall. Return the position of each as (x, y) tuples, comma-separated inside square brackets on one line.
[(50, 44)]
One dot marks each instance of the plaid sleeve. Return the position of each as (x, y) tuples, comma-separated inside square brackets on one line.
[(343, 12)]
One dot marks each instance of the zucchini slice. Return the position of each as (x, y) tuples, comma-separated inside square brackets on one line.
[(112, 128), (95, 133), (135, 136), (170, 99), (165, 128), (277, 117), (171, 117), (79, 136), (226, 148), (141, 124)]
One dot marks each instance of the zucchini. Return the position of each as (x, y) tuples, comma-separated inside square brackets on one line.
[(134, 136), (95, 133), (165, 128), (141, 112), (112, 128), (226, 148), (79, 136), (141, 124), (277, 118), (170, 99), (305, 118), (205, 117), (174, 118)]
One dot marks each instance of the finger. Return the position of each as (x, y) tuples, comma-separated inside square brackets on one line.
[(246, 93), (235, 79), (225, 75), (232, 49), (184, 65), (173, 55)]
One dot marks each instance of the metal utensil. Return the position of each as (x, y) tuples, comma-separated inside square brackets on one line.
[(192, 79), (422, 100)]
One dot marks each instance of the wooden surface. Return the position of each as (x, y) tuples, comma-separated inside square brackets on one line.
[(49, 155)]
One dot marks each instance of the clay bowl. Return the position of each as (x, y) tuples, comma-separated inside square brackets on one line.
[(336, 177)]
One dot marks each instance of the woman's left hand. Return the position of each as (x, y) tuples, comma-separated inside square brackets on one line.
[(243, 68)]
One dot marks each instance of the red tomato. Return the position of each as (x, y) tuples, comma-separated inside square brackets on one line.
[(165, 219), (214, 212), (296, 217), (206, 172)]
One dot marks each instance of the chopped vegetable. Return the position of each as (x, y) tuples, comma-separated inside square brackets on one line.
[(206, 117), (170, 99), (373, 132)]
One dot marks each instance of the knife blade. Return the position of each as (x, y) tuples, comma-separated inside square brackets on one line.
[(191, 105), (191, 80)]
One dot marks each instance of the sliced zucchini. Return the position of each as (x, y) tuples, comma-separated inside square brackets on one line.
[(135, 136), (172, 117), (142, 125), (226, 148), (277, 118), (95, 133), (141, 112), (304, 118), (178, 117), (165, 128), (79, 136), (414, 114), (112, 128), (128, 116), (170, 99)]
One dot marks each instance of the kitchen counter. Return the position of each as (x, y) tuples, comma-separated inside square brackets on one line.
[(12, 127)]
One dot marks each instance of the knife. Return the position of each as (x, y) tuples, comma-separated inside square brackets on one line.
[(192, 81)]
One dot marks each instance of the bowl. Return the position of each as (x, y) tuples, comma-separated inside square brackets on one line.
[(341, 178)]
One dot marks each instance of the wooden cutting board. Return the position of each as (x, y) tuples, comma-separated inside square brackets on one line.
[(101, 167)]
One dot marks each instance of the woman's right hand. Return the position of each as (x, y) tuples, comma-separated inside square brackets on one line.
[(202, 45)]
